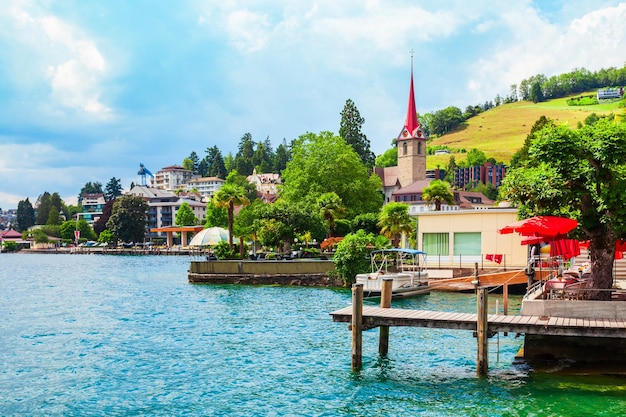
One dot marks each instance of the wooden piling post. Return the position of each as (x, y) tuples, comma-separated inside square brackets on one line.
[(385, 302), (482, 362), (505, 301), (357, 326)]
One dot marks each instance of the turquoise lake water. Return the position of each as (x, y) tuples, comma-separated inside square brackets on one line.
[(93, 335)]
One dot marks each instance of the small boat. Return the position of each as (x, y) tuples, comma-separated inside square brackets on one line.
[(407, 268)]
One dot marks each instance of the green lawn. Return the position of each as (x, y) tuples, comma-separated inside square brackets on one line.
[(502, 130)]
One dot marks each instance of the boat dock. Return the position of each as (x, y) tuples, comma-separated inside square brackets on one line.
[(484, 325), (555, 326)]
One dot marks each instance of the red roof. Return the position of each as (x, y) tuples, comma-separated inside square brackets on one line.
[(11, 234)]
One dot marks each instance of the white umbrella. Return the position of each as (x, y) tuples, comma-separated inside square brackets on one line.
[(211, 237)]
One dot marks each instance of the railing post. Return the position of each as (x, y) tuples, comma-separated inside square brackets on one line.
[(385, 302), (357, 326)]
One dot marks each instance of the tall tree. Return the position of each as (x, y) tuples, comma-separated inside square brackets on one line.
[(536, 93), (44, 202), (281, 157), (394, 219), (578, 174), (230, 196), (25, 215), (438, 192), (215, 215), (350, 130), (217, 168), (54, 217), (128, 219), (113, 189), (244, 163), (325, 163)]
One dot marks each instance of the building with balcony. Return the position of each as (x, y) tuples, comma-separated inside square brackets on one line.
[(163, 206), (205, 186), (173, 178), (93, 204)]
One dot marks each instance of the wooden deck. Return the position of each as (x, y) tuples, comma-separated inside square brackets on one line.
[(559, 326)]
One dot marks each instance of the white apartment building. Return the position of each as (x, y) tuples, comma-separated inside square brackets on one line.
[(173, 178), (206, 186)]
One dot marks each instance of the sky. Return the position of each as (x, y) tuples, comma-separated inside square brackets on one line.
[(90, 89)]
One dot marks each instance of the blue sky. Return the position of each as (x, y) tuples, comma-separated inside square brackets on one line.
[(89, 89)]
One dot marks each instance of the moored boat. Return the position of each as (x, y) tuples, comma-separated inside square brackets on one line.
[(406, 268)]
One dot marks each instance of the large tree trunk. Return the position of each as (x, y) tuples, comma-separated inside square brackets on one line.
[(602, 254)]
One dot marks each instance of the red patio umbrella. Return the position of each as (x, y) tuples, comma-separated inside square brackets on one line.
[(549, 227)]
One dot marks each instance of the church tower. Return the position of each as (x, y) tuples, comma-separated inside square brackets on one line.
[(411, 144)]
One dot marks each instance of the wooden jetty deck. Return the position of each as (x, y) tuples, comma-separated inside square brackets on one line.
[(559, 326), (484, 325)]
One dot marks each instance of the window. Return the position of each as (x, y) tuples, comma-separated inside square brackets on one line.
[(404, 148), (467, 244), (419, 148), (436, 243)]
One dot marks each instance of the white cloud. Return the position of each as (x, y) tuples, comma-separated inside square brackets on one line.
[(59, 54), (531, 45), (248, 31)]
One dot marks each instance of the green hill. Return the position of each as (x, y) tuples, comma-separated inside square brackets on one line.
[(501, 131)]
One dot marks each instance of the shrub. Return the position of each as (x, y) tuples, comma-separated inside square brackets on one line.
[(351, 257), (9, 246)]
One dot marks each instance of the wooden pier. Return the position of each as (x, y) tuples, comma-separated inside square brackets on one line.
[(485, 325)]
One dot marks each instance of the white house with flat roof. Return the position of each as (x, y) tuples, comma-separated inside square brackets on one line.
[(206, 186)]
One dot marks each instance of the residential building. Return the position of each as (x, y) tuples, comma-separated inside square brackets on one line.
[(266, 184), (488, 173), (173, 178), (205, 186), (463, 237), (463, 200), (93, 204), (163, 206)]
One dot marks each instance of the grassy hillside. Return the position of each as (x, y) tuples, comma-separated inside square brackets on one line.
[(502, 130)]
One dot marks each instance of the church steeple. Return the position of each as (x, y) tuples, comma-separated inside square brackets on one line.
[(412, 127), (411, 144)]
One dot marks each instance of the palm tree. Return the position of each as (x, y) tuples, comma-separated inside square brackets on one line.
[(438, 192), (331, 208), (229, 196), (394, 219)]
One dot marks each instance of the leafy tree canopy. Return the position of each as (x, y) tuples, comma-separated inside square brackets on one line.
[(25, 215), (394, 219), (90, 188), (113, 189), (325, 163), (215, 215), (185, 216), (438, 192), (388, 159), (128, 219), (579, 174)]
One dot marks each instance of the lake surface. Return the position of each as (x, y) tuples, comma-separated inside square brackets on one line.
[(94, 335)]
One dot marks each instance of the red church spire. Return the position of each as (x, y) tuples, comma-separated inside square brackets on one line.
[(412, 128)]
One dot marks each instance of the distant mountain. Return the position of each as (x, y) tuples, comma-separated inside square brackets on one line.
[(501, 131)]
